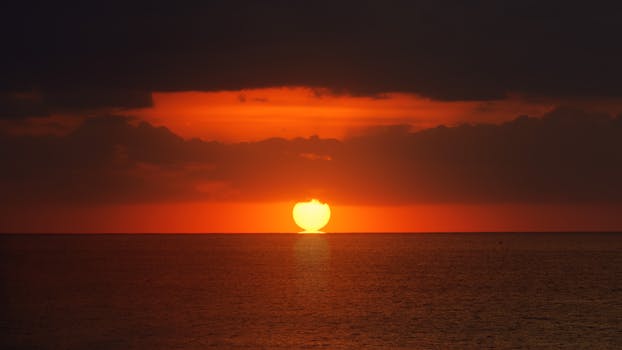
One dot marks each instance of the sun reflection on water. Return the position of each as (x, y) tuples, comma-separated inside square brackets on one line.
[(312, 259)]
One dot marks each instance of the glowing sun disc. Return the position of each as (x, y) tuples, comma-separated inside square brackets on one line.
[(311, 216)]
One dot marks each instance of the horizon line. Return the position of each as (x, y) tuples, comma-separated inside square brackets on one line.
[(319, 234)]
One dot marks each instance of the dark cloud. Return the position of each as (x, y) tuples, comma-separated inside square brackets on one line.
[(17, 105), (449, 50), (568, 156)]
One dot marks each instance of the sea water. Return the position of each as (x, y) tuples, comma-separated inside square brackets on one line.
[(333, 291)]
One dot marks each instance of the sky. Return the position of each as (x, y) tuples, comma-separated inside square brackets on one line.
[(218, 116)]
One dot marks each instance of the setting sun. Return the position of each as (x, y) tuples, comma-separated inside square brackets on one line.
[(311, 216)]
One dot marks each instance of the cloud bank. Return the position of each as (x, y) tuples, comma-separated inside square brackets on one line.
[(568, 156)]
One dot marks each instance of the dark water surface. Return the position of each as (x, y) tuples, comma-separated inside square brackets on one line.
[(351, 291)]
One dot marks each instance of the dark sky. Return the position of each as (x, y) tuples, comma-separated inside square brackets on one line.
[(77, 56)]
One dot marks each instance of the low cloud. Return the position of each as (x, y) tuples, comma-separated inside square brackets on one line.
[(567, 156)]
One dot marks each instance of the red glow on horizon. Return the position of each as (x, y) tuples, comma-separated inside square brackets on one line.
[(275, 217)]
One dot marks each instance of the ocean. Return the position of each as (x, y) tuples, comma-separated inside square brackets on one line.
[(332, 291)]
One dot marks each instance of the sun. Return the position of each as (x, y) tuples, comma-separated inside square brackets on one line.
[(311, 216)]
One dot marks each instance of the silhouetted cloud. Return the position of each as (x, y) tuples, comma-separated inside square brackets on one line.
[(565, 157), (448, 50), (17, 105)]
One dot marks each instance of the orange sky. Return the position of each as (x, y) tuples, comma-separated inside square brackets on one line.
[(257, 114), (195, 217), (301, 112), (288, 112)]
